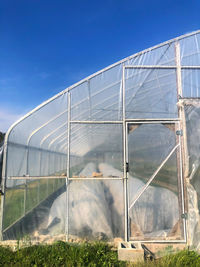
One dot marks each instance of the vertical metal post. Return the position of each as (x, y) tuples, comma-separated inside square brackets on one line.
[(40, 162), (27, 173), (124, 155), (181, 111), (3, 184), (183, 173), (38, 191), (90, 100), (54, 170), (127, 186), (40, 173), (48, 168), (68, 167), (183, 195)]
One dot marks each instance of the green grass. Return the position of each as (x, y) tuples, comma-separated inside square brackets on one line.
[(61, 254), (184, 258), (88, 254), (37, 191)]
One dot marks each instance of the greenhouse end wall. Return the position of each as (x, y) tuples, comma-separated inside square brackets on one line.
[(113, 157)]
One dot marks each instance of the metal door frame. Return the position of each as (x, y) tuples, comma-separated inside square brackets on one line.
[(178, 146)]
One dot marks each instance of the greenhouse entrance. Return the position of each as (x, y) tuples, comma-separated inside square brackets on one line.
[(155, 187)]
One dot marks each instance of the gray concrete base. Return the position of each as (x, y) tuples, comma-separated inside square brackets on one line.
[(129, 251)]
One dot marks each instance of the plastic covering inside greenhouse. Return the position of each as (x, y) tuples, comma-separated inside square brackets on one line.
[(115, 156)]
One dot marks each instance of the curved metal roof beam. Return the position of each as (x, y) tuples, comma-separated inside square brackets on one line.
[(54, 140), (60, 141), (48, 135), (44, 125), (63, 145)]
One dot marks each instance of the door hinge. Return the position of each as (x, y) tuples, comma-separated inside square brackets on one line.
[(179, 132), (127, 167), (184, 216)]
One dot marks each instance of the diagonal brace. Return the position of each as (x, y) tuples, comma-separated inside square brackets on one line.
[(153, 176)]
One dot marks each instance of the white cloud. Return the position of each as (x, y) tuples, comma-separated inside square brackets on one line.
[(7, 118)]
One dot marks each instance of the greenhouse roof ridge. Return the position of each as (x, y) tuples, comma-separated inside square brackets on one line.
[(96, 73), (130, 57)]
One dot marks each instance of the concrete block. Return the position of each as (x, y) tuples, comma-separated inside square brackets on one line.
[(129, 251)]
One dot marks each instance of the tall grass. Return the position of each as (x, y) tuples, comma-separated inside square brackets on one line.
[(96, 254), (61, 254)]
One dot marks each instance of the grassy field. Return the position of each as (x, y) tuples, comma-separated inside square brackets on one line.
[(37, 191), (96, 254)]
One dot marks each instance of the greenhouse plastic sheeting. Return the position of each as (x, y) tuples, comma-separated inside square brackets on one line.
[(115, 155)]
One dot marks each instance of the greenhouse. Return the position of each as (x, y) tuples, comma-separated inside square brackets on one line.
[(115, 156)]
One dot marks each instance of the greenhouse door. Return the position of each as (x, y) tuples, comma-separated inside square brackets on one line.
[(155, 203)]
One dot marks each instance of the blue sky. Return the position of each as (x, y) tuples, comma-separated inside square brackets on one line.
[(46, 45)]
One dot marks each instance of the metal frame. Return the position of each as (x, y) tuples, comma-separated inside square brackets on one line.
[(123, 122), (157, 120), (125, 157), (145, 187), (184, 149), (68, 167)]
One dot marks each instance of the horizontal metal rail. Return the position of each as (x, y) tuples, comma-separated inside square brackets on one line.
[(35, 177), (96, 178), (36, 148), (149, 67), (97, 122), (152, 120), (62, 177), (190, 67), (189, 98), (157, 241), (159, 67), (127, 120)]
